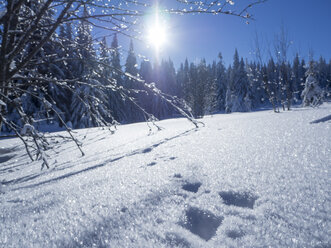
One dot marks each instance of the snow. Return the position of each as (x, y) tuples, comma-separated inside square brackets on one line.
[(244, 180), (27, 129)]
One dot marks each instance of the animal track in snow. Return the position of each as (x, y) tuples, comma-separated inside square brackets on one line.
[(235, 234), (152, 164), (192, 187), (202, 223), (238, 199), (147, 150), (177, 175)]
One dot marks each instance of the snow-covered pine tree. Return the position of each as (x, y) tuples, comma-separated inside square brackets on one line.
[(271, 84), (165, 80), (131, 72), (89, 101), (89, 106), (222, 83), (238, 98), (312, 95), (198, 76), (146, 73), (113, 97), (246, 87), (185, 84), (257, 93), (179, 80), (104, 59), (115, 61), (212, 103), (297, 77), (233, 80)]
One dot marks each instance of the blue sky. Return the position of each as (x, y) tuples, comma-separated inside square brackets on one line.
[(308, 24)]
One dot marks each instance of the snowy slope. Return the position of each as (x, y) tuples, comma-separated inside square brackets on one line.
[(244, 180)]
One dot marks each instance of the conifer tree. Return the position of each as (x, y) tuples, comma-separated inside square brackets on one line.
[(89, 102), (222, 83), (131, 72), (298, 73), (116, 62), (312, 95)]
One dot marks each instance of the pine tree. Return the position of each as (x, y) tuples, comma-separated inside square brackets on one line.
[(238, 97), (131, 71), (89, 106), (113, 98), (231, 96), (221, 81), (198, 76), (185, 85), (89, 102), (212, 103), (146, 73), (85, 50), (272, 84), (255, 84), (117, 74), (297, 78), (131, 68), (312, 95), (322, 71), (328, 87)]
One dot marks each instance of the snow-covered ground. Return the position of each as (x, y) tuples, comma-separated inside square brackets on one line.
[(244, 180)]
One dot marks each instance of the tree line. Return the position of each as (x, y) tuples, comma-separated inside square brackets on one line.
[(108, 92)]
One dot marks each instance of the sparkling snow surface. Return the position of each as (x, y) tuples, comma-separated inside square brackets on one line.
[(244, 180)]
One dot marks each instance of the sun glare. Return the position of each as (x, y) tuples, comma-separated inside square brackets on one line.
[(157, 36), (156, 32)]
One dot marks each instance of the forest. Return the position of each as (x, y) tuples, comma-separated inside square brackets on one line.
[(107, 92)]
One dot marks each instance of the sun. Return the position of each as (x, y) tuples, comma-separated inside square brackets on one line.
[(157, 32), (157, 36)]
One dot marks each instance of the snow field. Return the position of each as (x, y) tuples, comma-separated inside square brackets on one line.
[(244, 180)]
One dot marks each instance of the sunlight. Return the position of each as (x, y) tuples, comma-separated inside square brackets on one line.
[(157, 33), (157, 36)]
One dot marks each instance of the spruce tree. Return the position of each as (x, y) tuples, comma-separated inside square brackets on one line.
[(238, 97), (297, 78), (312, 95), (117, 74), (231, 96), (89, 102), (131, 71), (221, 82)]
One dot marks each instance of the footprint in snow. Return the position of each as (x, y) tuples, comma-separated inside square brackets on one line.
[(147, 150), (202, 223), (238, 199), (235, 234), (192, 187), (152, 164)]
